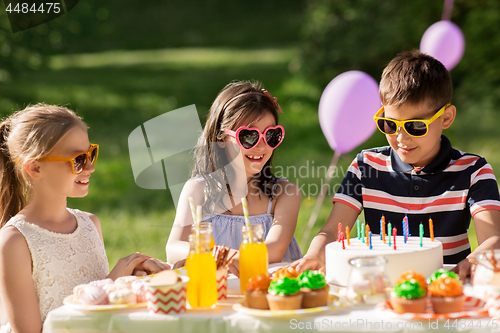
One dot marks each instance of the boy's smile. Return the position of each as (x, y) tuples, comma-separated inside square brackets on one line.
[(418, 151)]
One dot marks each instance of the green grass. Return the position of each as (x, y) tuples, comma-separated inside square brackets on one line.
[(117, 91)]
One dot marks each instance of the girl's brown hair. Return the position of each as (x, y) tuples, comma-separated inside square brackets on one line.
[(238, 103), (27, 135)]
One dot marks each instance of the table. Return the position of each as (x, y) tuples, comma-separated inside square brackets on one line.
[(223, 319)]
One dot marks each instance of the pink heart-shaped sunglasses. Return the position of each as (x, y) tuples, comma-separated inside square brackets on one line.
[(249, 137)]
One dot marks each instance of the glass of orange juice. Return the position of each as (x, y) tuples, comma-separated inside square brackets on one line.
[(253, 254), (200, 266)]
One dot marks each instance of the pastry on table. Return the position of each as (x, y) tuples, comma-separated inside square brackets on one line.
[(256, 292), (408, 296), (446, 295), (314, 289), (284, 294)]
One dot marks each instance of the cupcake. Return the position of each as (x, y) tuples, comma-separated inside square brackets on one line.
[(256, 292), (409, 275), (442, 272), (314, 289), (284, 294), (408, 296), (286, 271), (446, 295)]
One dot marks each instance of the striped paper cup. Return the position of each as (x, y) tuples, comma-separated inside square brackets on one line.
[(167, 299), (221, 277)]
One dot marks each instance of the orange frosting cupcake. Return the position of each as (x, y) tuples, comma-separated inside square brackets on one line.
[(412, 275), (445, 287), (256, 292), (446, 295), (259, 282), (286, 271)]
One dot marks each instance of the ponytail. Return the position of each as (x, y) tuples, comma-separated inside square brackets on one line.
[(12, 198), (24, 137)]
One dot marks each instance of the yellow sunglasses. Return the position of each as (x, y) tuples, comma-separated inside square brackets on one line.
[(414, 127), (79, 161)]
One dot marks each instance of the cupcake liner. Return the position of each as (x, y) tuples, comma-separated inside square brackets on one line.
[(312, 298), (448, 304), (285, 302), (403, 305), (256, 299), (221, 277), (167, 299)]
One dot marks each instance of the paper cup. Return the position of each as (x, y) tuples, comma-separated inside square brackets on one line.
[(167, 299), (221, 277)]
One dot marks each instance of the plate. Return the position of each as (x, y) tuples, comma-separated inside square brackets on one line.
[(79, 306), (335, 304), (473, 308)]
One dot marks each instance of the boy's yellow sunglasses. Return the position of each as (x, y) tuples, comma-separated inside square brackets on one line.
[(414, 127), (79, 161)]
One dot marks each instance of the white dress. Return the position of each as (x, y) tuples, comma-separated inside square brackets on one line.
[(62, 261)]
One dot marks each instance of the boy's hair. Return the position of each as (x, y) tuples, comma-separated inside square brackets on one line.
[(238, 103), (414, 77), (27, 135)]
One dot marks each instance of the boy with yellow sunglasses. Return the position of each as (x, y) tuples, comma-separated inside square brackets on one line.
[(419, 175)]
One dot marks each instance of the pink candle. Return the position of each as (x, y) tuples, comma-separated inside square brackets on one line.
[(342, 237), (394, 232), (339, 230)]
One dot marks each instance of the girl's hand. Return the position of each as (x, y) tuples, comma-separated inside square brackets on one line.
[(151, 266), (126, 266)]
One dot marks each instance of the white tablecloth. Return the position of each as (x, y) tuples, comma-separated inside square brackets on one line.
[(224, 319)]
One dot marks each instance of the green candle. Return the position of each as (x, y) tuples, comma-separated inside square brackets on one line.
[(363, 232), (389, 228), (421, 232)]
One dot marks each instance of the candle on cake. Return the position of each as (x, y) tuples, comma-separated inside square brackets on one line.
[(389, 227), (421, 232), (348, 235), (359, 230), (394, 233), (431, 229)]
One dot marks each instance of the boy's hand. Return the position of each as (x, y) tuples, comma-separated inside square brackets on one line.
[(465, 268), (309, 262)]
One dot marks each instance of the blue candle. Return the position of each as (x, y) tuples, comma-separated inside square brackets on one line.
[(404, 229), (381, 227), (370, 235)]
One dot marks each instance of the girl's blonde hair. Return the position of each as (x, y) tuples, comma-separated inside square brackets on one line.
[(27, 135)]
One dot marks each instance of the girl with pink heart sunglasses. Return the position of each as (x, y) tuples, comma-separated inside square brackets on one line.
[(233, 160)]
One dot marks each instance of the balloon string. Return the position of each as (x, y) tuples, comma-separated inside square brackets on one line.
[(447, 10)]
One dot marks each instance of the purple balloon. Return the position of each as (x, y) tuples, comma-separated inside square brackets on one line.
[(346, 110), (444, 41)]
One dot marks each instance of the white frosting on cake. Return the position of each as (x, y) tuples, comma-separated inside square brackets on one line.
[(410, 256)]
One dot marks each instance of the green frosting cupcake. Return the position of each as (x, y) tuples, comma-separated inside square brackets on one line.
[(410, 289), (444, 273), (284, 286), (312, 280)]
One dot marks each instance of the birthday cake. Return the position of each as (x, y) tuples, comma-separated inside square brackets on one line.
[(424, 259)]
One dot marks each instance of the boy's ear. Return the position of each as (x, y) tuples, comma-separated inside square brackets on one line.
[(449, 116), (32, 167)]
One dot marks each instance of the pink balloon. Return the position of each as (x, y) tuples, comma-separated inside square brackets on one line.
[(346, 110), (444, 41)]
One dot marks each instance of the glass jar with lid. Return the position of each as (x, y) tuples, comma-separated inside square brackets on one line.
[(368, 282)]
